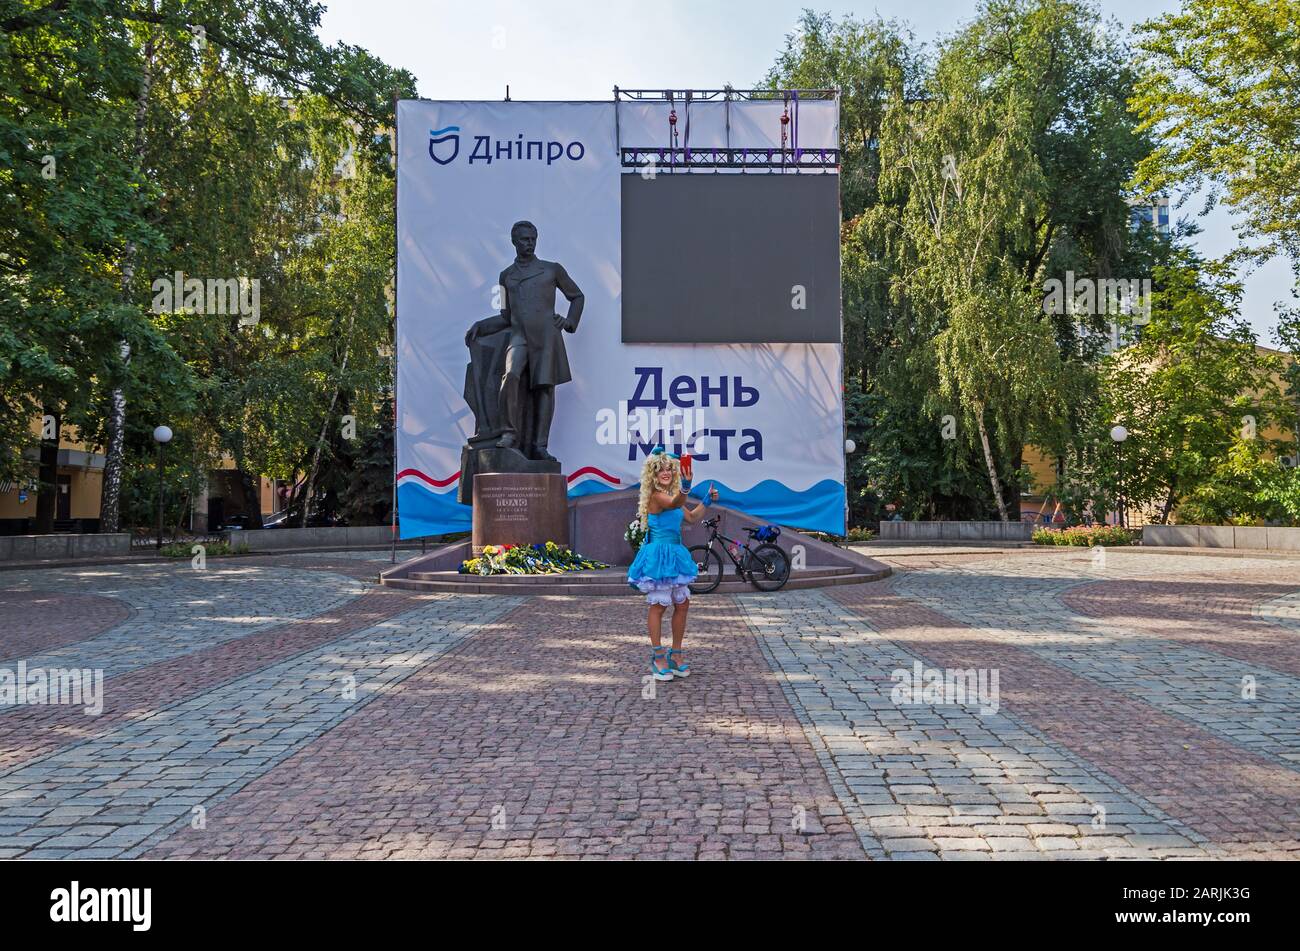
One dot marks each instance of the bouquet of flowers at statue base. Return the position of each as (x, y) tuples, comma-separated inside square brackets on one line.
[(543, 558)]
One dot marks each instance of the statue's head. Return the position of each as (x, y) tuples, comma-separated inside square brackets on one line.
[(523, 235)]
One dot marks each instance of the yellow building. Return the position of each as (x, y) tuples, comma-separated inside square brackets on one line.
[(79, 480)]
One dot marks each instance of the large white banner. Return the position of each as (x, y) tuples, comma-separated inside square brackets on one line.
[(764, 421)]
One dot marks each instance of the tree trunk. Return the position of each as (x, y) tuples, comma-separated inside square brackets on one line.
[(325, 426), (988, 461), (47, 494), (110, 516), (180, 515), (114, 461), (251, 498), (252, 490), (1168, 506)]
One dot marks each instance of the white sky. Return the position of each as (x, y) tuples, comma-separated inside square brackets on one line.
[(567, 49)]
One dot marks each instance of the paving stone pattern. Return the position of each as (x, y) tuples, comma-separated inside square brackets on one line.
[(1147, 706)]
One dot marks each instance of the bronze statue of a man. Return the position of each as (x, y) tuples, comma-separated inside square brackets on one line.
[(536, 348)]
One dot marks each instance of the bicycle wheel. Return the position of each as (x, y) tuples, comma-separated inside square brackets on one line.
[(768, 567), (709, 565)]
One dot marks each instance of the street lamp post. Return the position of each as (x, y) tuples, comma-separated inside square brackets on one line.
[(1119, 434), (161, 435), (849, 446)]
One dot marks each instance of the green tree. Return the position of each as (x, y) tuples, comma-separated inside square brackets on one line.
[(964, 161), (1192, 392), (1221, 90), (70, 201), (164, 109), (1075, 145), (1246, 486), (368, 496)]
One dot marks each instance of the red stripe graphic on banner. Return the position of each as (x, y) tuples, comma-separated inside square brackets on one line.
[(594, 471), (456, 475), (433, 482)]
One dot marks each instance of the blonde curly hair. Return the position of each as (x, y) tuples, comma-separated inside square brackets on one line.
[(653, 463)]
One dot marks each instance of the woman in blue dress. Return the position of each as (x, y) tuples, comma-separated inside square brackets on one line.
[(663, 568)]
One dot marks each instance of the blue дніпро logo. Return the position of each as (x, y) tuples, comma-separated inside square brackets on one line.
[(439, 136)]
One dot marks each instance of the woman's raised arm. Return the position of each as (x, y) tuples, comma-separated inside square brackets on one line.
[(694, 515)]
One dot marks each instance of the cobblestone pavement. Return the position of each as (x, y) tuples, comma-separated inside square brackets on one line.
[(1132, 705)]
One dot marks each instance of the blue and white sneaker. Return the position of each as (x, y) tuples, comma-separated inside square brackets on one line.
[(679, 669)]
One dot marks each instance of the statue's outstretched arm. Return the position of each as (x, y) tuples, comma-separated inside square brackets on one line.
[(488, 325)]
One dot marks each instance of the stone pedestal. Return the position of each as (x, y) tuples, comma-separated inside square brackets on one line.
[(519, 508), (483, 456)]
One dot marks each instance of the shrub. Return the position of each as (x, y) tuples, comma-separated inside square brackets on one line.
[(855, 536), (1086, 536), (210, 549)]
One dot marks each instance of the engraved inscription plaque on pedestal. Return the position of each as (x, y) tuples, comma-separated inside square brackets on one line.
[(519, 508)]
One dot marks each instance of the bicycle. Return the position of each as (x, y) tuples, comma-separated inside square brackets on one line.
[(766, 566)]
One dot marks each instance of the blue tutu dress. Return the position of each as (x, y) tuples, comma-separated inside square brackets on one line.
[(663, 567)]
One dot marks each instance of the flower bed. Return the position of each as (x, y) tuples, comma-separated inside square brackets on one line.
[(1086, 536), (211, 549), (543, 558), (854, 536)]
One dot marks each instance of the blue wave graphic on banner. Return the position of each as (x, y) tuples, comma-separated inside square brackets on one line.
[(819, 507), (592, 487)]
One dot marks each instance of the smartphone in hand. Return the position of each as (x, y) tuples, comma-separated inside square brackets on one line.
[(686, 467)]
